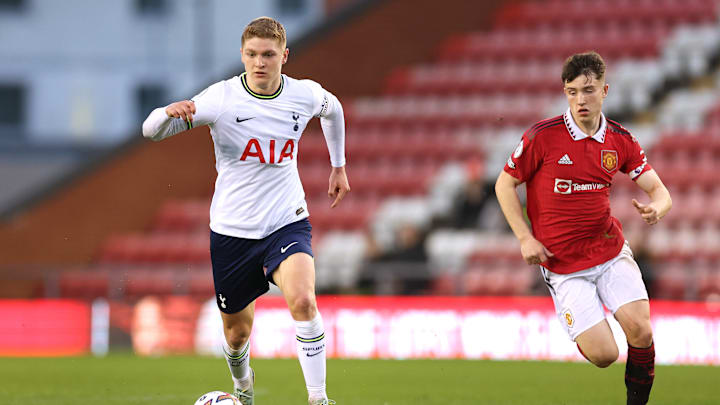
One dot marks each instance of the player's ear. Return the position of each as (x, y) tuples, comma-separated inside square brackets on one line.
[(606, 87), (285, 55)]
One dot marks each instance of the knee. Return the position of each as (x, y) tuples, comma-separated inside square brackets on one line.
[(237, 335), (303, 307), (642, 338), (640, 334)]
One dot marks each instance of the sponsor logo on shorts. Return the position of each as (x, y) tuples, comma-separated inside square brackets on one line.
[(569, 320), (285, 248)]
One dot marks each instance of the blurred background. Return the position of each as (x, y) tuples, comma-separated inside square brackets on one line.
[(436, 97)]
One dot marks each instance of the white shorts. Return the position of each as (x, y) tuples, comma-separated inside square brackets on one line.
[(579, 297)]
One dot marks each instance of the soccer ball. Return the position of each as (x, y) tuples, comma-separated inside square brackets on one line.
[(217, 397)]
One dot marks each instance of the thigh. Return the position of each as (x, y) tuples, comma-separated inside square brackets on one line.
[(621, 282), (295, 276), (577, 303), (598, 344)]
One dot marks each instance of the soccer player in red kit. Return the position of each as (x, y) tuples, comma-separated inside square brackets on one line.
[(568, 163)]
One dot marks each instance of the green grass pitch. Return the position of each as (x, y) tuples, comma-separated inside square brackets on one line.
[(177, 380)]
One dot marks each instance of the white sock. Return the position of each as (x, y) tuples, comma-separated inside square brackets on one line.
[(311, 354), (239, 363)]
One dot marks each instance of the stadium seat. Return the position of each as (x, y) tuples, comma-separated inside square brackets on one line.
[(141, 282), (709, 283), (183, 215), (84, 284), (671, 281)]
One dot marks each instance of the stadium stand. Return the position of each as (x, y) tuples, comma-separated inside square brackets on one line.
[(443, 123), (658, 51)]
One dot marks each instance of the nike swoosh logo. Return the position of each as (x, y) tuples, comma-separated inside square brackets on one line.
[(314, 354), (237, 119), (284, 249)]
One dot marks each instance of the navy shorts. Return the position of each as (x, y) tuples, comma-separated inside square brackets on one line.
[(242, 268)]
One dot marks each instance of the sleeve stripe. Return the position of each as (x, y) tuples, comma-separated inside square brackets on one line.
[(617, 127), (543, 125)]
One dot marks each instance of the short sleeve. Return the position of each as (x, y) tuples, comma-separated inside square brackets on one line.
[(526, 159), (208, 104), (636, 162)]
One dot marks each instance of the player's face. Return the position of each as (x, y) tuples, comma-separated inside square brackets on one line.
[(263, 59), (585, 94)]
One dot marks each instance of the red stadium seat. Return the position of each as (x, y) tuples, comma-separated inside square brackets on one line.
[(444, 284), (183, 215), (200, 283), (84, 284), (709, 284), (671, 281), (148, 281)]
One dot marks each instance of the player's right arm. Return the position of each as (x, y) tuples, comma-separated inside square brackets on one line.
[(184, 110), (180, 116), (521, 166), (533, 252)]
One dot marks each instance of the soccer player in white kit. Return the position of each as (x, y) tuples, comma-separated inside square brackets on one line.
[(568, 163), (258, 217)]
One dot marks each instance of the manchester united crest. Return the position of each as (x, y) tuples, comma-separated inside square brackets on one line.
[(569, 320), (609, 160)]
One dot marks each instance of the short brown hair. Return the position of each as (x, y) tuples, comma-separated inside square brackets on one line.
[(265, 27), (583, 64)]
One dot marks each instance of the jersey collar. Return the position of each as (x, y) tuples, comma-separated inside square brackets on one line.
[(577, 134), (243, 79)]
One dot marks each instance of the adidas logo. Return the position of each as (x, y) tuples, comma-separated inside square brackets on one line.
[(565, 160)]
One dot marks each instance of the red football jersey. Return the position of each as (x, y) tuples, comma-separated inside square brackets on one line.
[(568, 176)]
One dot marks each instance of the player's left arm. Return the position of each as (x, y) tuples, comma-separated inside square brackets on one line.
[(660, 201), (332, 121)]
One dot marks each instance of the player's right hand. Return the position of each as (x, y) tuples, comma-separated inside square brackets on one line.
[(181, 109), (534, 252)]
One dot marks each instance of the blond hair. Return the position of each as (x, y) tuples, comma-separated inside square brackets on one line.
[(265, 27)]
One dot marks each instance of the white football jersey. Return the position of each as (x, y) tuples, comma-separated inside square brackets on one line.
[(256, 137)]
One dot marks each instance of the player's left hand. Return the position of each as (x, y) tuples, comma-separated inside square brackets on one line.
[(339, 185), (648, 212)]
